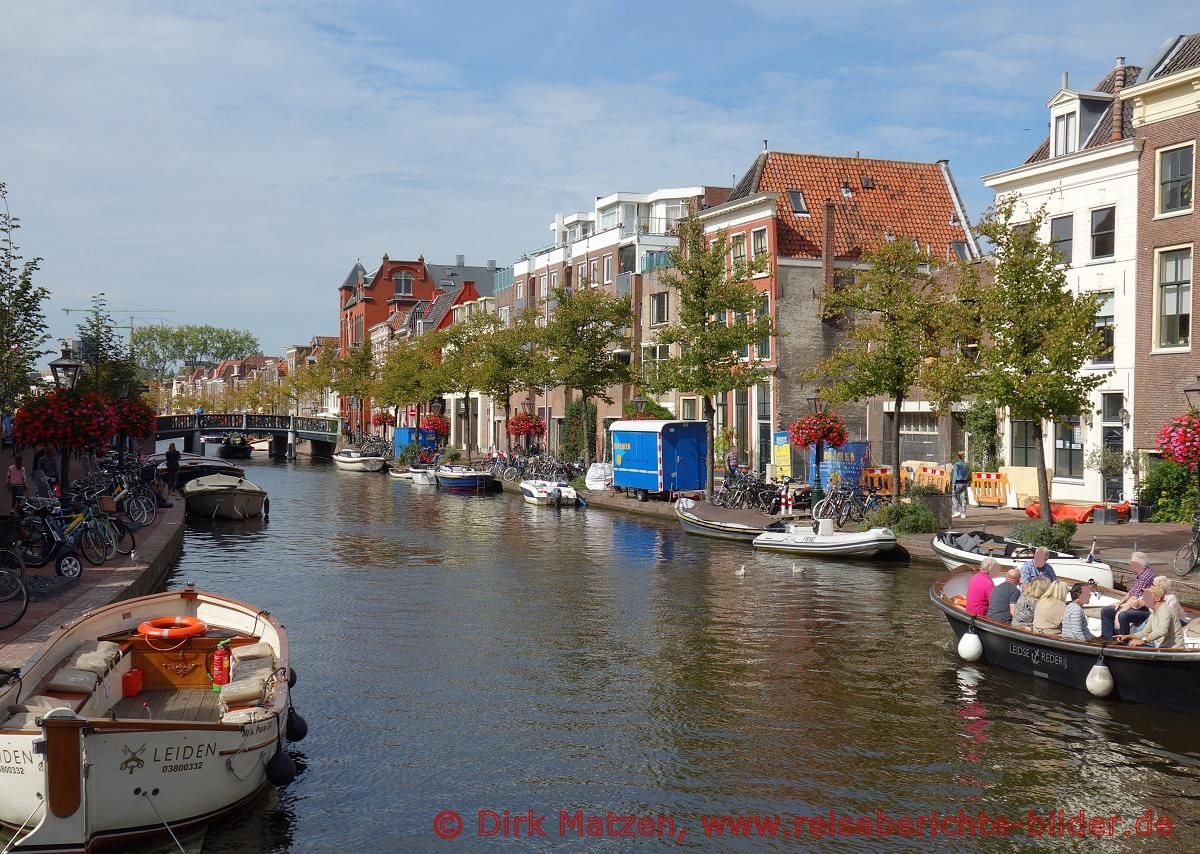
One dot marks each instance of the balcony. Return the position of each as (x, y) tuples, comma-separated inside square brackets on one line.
[(660, 260), (624, 283), (651, 226)]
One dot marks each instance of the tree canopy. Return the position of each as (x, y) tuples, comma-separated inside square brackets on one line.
[(22, 320), (160, 350)]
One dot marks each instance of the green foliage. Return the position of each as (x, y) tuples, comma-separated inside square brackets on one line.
[(1171, 488), (653, 410), (914, 518), (979, 420), (573, 440), (579, 484), (1034, 532), (354, 373), (925, 490), (722, 441), (22, 320), (1108, 462), (158, 349), (453, 455), (407, 376), (107, 364), (408, 454)]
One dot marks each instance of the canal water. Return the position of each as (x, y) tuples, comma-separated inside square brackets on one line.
[(474, 653)]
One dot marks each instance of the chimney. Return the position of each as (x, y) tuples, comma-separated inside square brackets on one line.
[(1118, 107), (827, 248), (460, 260), (1064, 83), (491, 264)]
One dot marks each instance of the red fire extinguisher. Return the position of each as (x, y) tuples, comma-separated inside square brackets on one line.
[(220, 666)]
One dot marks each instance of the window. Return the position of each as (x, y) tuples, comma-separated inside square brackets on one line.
[(688, 408), (1024, 447), (652, 354), (582, 273), (658, 309), (738, 318), (608, 218), (1060, 236), (759, 241), (504, 310), (593, 270), (764, 344), (554, 280), (799, 205), (1104, 228), (403, 281), (543, 290), (1175, 179), (1068, 448), (1175, 297), (961, 251), (739, 249), (1064, 134), (1111, 406), (607, 269), (1105, 322), (521, 289), (918, 436)]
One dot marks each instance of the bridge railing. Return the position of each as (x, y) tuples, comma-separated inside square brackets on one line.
[(316, 425), (175, 423), (238, 421), (268, 422)]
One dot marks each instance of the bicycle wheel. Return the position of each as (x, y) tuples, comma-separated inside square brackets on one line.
[(818, 511), (94, 546), (1185, 558), (141, 510), (14, 598), (510, 474), (36, 543), (125, 539)]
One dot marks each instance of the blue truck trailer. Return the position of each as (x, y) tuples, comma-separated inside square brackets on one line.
[(659, 456)]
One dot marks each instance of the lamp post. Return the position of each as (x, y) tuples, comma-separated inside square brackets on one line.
[(818, 493), (1192, 393), (354, 427), (639, 405), (65, 370), (123, 388), (527, 408)]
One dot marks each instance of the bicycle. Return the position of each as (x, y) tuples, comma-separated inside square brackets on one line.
[(14, 594), (1189, 553)]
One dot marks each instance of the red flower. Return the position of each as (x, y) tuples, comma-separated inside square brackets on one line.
[(827, 427), (523, 424), (439, 424), (1179, 439)]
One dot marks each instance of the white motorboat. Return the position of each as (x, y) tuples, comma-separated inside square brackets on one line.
[(399, 473), (114, 730), (956, 548), (222, 496), (820, 538), (549, 492), (423, 476), (462, 478), (349, 459)]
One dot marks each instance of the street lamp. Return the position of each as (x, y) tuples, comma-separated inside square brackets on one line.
[(527, 406), (814, 400), (66, 369), (639, 404), (1192, 393), (437, 407)]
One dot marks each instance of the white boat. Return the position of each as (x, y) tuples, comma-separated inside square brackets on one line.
[(462, 478), (399, 473), (92, 758), (807, 539), (222, 496), (549, 492), (349, 459), (263, 445), (956, 548), (423, 476), (722, 523)]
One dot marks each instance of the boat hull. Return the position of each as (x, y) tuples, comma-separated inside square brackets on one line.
[(719, 529), (371, 464), (234, 505), (1066, 566), (423, 477), (463, 480), (543, 493), (835, 545), (400, 474), (234, 452)]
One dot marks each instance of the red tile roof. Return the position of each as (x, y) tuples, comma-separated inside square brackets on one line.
[(908, 200)]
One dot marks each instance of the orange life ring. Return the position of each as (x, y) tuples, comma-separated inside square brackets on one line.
[(170, 628)]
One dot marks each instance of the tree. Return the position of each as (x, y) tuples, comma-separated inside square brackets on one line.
[(107, 362), (900, 320), (203, 345), (714, 334), (22, 322), (155, 352), (408, 375), (509, 362), (354, 376), (304, 386), (1036, 333), (578, 342)]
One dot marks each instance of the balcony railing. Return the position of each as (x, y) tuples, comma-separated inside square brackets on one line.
[(651, 226)]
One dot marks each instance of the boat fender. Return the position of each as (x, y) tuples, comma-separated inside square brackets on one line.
[(1099, 679), (280, 769), (266, 509), (970, 647), (292, 678), (297, 727)]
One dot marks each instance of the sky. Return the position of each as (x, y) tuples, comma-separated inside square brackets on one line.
[(228, 163)]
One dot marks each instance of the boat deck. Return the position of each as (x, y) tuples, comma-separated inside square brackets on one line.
[(186, 704)]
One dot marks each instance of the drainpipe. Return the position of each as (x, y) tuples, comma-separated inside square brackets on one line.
[(827, 248)]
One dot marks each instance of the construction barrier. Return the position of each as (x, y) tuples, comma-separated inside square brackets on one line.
[(990, 489), (938, 478), (881, 479)]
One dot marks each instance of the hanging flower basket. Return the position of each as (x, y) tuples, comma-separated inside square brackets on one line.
[(522, 424), (65, 418), (135, 418), (1179, 440), (827, 427), (439, 424), (383, 419)]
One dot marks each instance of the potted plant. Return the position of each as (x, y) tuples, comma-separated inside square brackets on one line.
[(1141, 510), (936, 499), (1111, 464)]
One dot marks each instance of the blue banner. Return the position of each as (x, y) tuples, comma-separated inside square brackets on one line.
[(846, 462)]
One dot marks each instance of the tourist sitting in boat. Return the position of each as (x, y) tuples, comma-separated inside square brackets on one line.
[(1048, 613), (1074, 620), (1030, 594), (1037, 565), (1130, 610), (1163, 629), (1002, 603), (979, 589)]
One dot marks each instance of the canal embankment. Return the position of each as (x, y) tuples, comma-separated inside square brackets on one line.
[(158, 547)]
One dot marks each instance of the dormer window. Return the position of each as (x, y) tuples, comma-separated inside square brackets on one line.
[(799, 205), (1065, 135), (403, 281)]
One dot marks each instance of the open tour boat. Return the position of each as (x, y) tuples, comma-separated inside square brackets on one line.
[(114, 730), (819, 538), (1168, 677), (349, 459), (220, 496), (956, 548)]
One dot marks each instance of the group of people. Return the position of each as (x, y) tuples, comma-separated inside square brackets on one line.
[(1032, 597), (41, 476)]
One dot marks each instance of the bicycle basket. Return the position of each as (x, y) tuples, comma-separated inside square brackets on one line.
[(10, 527), (106, 504)]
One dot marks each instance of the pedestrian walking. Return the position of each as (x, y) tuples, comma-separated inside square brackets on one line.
[(16, 481), (172, 456), (962, 477)]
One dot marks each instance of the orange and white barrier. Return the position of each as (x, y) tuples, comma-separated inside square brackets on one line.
[(990, 489), (938, 478)]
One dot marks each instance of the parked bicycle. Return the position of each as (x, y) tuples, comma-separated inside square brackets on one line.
[(1188, 555), (14, 595)]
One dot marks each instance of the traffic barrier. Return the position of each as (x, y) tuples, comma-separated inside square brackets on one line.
[(881, 479), (932, 476), (990, 489)]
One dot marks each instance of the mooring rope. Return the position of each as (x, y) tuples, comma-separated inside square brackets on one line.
[(17, 835), (154, 806)]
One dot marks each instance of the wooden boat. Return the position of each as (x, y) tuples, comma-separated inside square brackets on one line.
[(462, 478), (220, 496), (956, 548), (399, 473), (549, 492), (192, 466), (235, 447), (349, 459), (118, 734), (1158, 677), (818, 539), (708, 520)]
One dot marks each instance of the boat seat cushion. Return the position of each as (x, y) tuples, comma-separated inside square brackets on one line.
[(254, 668), (262, 649), (36, 703), (968, 542), (96, 662), (108, 648), (23, 720), (73, 681), (242, 691)]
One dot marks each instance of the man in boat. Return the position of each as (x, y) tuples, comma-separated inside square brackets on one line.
[(1130, 610), (1074, 623), (1037, 565), (1002, 602), (979, 588), (1163, 629)]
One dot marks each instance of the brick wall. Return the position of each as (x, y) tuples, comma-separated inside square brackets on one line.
[(1159, 377)]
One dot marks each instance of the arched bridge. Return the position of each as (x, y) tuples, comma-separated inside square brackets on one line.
[(290, 427)]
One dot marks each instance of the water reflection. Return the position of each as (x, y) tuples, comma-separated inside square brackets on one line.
[(462, 651)]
